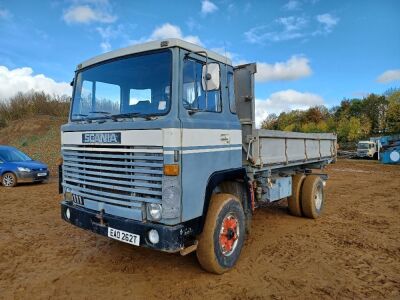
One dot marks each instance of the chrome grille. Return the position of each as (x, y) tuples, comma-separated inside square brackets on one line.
[(116, 175)]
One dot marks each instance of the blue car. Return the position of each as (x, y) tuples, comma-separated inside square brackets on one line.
[(17, 167)]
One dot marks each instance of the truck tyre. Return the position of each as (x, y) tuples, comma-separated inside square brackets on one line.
[(223, 234), (294, 201), (9, 180), (237, 189), (312, 196)]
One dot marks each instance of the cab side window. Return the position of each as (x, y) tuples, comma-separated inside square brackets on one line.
[(194, 97)]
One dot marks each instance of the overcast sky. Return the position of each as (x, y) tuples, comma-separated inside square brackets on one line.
[(309, 52)]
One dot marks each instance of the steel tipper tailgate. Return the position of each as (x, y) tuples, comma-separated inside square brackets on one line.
[(282, 148)]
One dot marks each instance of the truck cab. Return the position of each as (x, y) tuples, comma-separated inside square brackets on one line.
[(146, 136), (161, 151), (367, 149)]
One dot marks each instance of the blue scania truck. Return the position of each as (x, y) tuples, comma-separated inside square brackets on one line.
[(161, 151)]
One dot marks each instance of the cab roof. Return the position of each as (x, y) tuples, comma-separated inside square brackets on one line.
[(154, 45)]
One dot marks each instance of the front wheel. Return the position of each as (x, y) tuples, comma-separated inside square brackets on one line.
[(223, 234), (9, 180)]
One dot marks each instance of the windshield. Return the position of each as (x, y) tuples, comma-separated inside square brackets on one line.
[(13, 155), (363, 146), (139, 85)]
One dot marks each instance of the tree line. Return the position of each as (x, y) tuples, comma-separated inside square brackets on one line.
[(352, 120)]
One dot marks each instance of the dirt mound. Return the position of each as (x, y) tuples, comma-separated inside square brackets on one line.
[(39, 137), (352, 251)]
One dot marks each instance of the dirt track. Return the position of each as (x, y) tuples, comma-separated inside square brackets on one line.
[(353, 251)]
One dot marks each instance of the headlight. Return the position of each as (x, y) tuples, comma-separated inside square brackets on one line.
[(153, 236), (154, 211), (21, 169), (68, 213)]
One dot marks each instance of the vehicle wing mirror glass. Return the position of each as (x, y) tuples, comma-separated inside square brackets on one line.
[(211, 74)]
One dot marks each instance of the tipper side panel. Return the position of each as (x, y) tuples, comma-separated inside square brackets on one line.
[(273, 148)]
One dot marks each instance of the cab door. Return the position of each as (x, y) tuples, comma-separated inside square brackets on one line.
[(207, 132)]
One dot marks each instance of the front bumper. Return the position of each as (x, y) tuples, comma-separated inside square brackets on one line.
[(32, 176), (172, 238)]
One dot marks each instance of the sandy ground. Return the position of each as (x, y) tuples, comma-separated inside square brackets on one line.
[(353, 251)]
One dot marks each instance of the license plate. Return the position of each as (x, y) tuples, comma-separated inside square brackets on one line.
[(42, 174), (124, 236)]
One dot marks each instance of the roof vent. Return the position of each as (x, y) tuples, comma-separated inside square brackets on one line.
[(164, 44)]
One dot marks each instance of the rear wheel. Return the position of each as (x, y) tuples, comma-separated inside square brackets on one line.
[(312, 196), (223, 234), (9, 180), (294, 200)]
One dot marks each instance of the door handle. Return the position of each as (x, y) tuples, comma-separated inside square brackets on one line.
[(225, 138)]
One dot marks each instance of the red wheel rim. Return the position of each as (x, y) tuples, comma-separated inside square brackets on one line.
[(229, 234)]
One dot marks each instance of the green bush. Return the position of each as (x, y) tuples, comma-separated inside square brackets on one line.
[(33, 103)]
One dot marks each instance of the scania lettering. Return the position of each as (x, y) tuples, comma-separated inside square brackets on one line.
[(161, 151), (105, 138)]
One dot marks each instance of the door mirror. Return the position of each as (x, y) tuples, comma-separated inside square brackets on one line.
[(211, 76)]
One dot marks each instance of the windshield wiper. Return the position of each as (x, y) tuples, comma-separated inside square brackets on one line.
[(92, 112), (130, 115), (125, 115), (100, 112), (90, 119), (83, 117)]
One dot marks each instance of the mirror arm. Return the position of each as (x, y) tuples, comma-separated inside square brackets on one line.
[(205, 79)]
